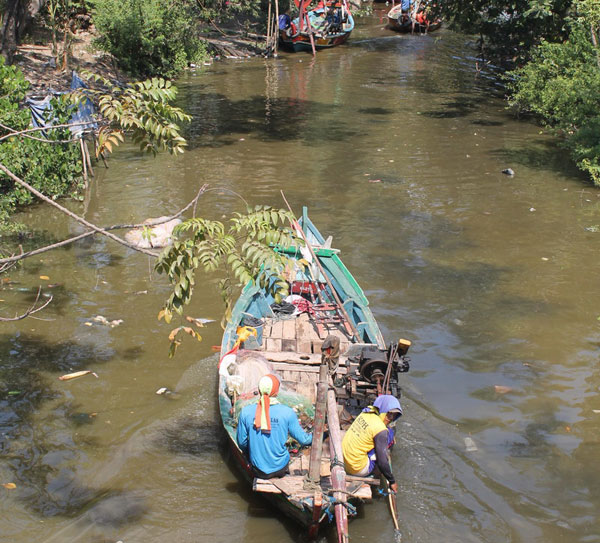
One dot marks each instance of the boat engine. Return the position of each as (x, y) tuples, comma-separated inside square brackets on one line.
[(372, 364)]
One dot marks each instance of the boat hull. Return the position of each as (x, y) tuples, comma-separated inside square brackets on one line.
[(402, 23), (296, 40), (291, 347)]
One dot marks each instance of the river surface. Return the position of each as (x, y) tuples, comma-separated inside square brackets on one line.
[(396, 144)]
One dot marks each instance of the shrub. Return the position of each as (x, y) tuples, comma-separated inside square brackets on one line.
[(149, 37), (53, 169)]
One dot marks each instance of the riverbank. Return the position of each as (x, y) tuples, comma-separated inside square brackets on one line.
[(39, 67)]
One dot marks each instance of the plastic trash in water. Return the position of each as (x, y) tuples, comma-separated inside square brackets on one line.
[(470, 445)]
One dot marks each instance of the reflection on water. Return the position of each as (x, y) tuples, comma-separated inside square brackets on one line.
[(397, 144)]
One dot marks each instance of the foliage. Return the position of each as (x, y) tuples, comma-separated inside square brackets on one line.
[(52, 169), (508, 30), (141, 109), (149, 37), (561, 84), (241, 253)]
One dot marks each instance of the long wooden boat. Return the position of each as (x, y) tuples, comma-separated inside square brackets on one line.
[(329, 25), (290, 345), (402, 22)]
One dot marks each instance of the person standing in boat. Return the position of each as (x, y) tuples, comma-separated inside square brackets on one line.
[(263, 430), (366, 442)]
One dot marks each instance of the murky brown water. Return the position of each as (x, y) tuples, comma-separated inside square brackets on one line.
[(493, 278)]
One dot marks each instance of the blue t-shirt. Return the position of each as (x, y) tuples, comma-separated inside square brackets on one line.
[(267, 450)]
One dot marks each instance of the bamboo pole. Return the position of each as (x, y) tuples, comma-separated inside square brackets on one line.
[(268, 30), (333, 291), (276, 44), (83, 163), (89, 158), (316, 451), (338, 474)]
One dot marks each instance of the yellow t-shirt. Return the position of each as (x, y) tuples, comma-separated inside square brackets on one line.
[(359, 440)]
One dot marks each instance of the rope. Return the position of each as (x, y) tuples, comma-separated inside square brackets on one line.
[(385, 492), (336, 462)]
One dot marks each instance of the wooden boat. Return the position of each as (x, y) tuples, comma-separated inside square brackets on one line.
[(403, 22), (291, 346), (330, 24)]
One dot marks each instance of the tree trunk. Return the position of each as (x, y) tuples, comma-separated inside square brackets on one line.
[(17, 16)]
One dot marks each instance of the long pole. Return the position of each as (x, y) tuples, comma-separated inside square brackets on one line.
[(314, 255), (316, 450), (338, 474)]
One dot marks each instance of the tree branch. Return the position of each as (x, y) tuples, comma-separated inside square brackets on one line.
[(40, 128), (22, 133), (64, 210), (15, 258), (33, 309)]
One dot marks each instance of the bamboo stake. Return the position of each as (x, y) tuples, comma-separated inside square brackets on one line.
[(268, 29), (84, 163), (89, 158), (276, 44)]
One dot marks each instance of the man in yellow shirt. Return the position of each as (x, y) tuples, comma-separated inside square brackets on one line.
[(366, 442)]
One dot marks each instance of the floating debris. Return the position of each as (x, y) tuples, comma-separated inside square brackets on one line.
[(501, 389), (75, 375), (508, 171), (163, 390), (9, 486), (200, 322), (470, 445), (105, 321)]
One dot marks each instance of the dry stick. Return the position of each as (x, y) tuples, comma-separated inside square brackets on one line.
[(155, 222), (312, 252), (31, 310)]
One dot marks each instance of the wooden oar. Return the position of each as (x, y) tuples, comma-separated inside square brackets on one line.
[(392, 504)]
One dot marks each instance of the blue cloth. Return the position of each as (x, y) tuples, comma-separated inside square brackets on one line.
[(267, 450), (385, 403), (406, 5)]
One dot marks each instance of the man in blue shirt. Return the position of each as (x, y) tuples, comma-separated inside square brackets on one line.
[(263, 430)]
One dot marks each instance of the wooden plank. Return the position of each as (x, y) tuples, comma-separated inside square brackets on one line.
[(283, 367), (273, 345), (264, 485), (288, 345), (365, 480), (289, 329), (301, 358), (277, 330)]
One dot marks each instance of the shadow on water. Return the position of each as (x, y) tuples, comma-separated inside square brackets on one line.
[(270, 119), (260, 506), (546, 155), (452, 110), (191, 435), (38, 448)]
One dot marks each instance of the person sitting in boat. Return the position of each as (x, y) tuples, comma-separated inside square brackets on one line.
[(263, 430), (366, 442), (406, 8)]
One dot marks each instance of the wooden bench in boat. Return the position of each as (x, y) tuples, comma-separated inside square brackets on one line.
[(299, 334), (293, 486)]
